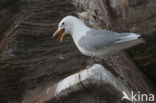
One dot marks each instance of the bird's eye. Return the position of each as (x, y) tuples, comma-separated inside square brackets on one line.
[(63, 23)]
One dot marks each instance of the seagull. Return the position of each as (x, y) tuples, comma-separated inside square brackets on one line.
[(95, 42)]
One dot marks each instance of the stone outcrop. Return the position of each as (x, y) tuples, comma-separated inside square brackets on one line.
[(31, 61), (95, 79)]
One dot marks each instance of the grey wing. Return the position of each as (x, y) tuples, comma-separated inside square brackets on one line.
[(95, 39)]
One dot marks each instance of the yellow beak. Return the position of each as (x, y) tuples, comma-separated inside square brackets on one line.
[(61, 36)]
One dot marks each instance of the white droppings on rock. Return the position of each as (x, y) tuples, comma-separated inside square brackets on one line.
[(61, 57)]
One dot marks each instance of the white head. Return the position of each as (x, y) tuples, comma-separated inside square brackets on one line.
[(67, 25)]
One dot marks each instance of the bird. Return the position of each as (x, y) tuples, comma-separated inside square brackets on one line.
[(95, 42)]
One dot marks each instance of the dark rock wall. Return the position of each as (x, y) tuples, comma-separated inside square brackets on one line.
[(30, 60), (29, 57), (8, 9)]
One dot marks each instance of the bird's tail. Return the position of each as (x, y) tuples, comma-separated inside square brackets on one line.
[(130, 37)]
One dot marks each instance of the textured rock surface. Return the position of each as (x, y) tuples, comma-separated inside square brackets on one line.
[(29, 58), (30, 61), (8, 9)]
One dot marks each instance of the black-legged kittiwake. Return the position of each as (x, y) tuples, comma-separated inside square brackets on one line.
[(95, 43)]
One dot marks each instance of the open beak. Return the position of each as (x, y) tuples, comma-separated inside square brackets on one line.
[(61, 32)]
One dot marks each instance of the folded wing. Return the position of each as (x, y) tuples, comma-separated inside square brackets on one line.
[(96, 39)]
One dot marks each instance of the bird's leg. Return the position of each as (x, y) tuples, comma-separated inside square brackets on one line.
[(92, 60), (102, 60), (99, 60)]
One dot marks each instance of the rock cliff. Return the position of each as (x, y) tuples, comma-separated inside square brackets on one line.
[(31, 62)]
